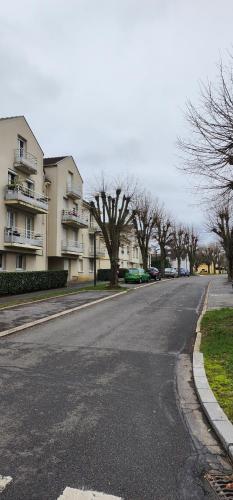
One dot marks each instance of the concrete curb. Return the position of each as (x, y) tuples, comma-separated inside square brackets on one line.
[(216, 416)]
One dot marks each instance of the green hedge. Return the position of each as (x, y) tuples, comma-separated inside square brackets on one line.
[(29, 281), (104, 274)]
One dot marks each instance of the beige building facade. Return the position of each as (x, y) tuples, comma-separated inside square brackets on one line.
[(23, 200), (45, 223)]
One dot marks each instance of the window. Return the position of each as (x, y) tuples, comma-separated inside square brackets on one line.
[(29, 223), (21, 146), (80, 262), (11, 177), (2, 266), (91, 266), (20, 262), (10, 218), (70, 179), (30, 187)]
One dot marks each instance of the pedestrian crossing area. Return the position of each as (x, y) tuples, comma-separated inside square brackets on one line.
[(74, 494)]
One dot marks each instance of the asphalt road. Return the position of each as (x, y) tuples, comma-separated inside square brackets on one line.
[(90, 400)]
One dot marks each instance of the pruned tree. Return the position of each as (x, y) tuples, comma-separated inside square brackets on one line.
[(209, 151), (221, 224), (178, 245), (113, 215), (144, 218), (191, 241), (163, 235)]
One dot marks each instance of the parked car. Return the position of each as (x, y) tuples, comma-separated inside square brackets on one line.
[(154, 273), (136, 275), (170, 272), (184, 272)]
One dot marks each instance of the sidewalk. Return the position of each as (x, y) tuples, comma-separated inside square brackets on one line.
[(27, 313), (220, 293)]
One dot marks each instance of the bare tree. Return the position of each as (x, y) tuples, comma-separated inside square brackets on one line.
[(112, 214), (221, 224), (209, 152), (178, 244), (191, 240), (144, 219), (163, 235)]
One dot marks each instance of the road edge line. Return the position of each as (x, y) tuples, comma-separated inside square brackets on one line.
[(215, 414)]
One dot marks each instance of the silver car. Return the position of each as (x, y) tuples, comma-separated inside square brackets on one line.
[(170, 272)]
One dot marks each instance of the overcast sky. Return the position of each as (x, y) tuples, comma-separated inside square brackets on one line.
[(107, 80)]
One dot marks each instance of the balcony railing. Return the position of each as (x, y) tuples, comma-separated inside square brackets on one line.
[(100, 252), (72, 217), (22, 237), (25, 161), (71, 246), (36, 201), (73, 191)]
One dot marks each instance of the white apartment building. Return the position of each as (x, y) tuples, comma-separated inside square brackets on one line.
[(44, 221), (66, 216), (23, 200)]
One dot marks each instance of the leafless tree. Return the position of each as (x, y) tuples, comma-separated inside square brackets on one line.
[(178, 245), (111, 210), (209, 151), (191, 241), (221, 224), (144, 219), (163, 235)]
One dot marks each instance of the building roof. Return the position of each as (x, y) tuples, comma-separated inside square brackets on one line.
[(22, 116), (53, 160)]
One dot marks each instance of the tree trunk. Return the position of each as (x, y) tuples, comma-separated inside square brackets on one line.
[(208, 268), (178, 264), (191, 265), (230, 266), (114, 272), (144, 259), (163, 258)]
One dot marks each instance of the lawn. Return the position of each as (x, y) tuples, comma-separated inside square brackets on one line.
[(217, 347)]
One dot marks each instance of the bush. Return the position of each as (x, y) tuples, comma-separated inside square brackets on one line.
[(30, 281), (103, 275)]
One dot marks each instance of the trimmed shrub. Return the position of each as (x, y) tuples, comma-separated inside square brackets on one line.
[(30, 281), (122, 272), (103, 275)]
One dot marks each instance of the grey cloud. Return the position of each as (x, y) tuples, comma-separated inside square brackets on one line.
[(106, 82)]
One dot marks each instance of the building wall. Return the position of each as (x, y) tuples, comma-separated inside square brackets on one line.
[(10, 130)]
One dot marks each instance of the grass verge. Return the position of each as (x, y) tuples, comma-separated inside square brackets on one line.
[(58, 293), (217, 347)]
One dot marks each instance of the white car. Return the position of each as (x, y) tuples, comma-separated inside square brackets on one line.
[(170, 272)]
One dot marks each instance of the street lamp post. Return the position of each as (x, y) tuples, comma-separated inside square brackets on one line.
[(94, 248)]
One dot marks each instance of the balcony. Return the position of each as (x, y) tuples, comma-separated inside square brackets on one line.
[(22, 238), (73, 192), (26, 199), (25, 162), (100, 252), (73, 219), (72, 247)]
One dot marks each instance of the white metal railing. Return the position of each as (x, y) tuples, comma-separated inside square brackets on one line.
[(22, 236), (26, 195), (74, 216), (27, 159), (72, 246), (100, 252), (73, 191)]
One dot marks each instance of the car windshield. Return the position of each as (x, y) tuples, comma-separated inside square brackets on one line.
[(133, 271)]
